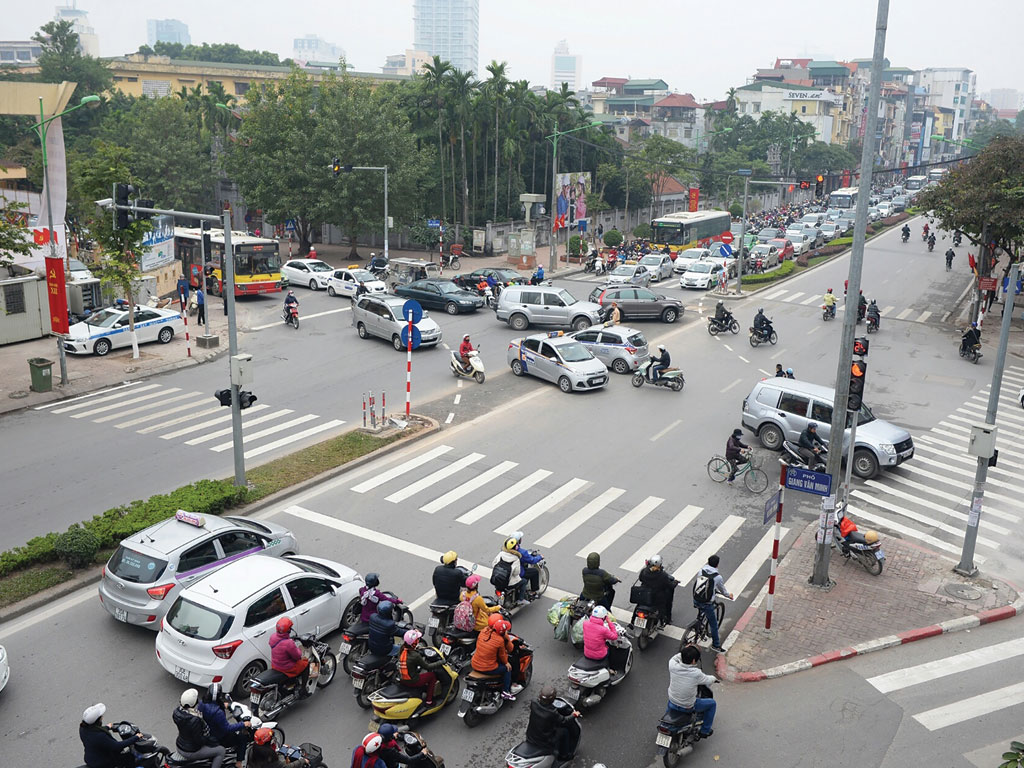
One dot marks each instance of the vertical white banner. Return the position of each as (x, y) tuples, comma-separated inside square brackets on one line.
[(56, 161)]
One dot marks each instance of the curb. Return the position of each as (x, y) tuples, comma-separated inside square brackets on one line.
[(94, 575), (725, 672)]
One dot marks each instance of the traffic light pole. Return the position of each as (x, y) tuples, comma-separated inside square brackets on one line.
[(236, 400), (820, 577)]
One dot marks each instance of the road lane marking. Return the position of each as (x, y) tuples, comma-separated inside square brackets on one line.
[(557, 496), (192, 405), (915, 470), (457, 399), (762, 370), (759, 555), (967, 472), (419, 602), (905, 314), (489, 505), (434, 477), (933, 670), (971, 462), (708, 547), (727, 346), (972, 708), (885, 312), (778, 354), (464, 489), (459, 383), (924, 316), (265, 432), (980, 411), (667, 429), (303, 318), (75, 598), (809, 300), (209, 423), (741, 357), (944, 317), (662, 538), (619, 528), (132, 401), (401, 468), (146, 407), (332, 424), (107, 399), (916, 499), (178, 420), (795, 296), (733, 384), (227, 430), (449, 419), (911, 533), (579, 517), (930, 438), (84, 397), (776, 294), (814, 329)]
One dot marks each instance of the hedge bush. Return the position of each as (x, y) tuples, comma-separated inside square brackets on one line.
[(784, 269), (77, 546), (843, 241), (612, 238)]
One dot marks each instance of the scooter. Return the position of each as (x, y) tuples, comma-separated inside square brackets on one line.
[(476, 366), (526, 755), (370, 674), (679, 731), (760, 337), (356, 637), (508, 598), (272, 692), (864, 548), (670, 377), (872, 323), (828, 312), (482, 696), (931, 244), (239, 713), (795, 458), (906, 238), (972, 353), (146, 752), (647, 620), (590, 680), (716, 326), (449, 260), (291, 315), (397, 703), (420, 755), (305, 754)]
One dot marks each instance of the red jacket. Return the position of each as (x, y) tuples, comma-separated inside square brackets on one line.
[(284, 653), (465, 347)]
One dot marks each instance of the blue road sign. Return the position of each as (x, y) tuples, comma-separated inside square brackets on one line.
[(818, 483), (412, 306), (771, 508), (434, 223), (415, 337), (725, 249), (744, 172), (289, 225)]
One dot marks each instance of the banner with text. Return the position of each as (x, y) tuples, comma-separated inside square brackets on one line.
[(694, 198), (57, 295)]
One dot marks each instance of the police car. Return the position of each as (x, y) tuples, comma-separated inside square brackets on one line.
[(345, 282), (559, 359), (108, 329)]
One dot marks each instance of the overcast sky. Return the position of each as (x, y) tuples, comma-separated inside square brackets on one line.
[(700, 47)]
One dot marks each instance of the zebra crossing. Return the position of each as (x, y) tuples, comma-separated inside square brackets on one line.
[(908, 314), (928, 498), (569, 513), (188, 418), (951, 693)]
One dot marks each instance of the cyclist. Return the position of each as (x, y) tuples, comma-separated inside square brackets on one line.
[(734, 448), (708, 584)]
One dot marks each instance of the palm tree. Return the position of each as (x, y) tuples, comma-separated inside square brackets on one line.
[(496, 85), (730, 101), (434, 74), (462, 87)]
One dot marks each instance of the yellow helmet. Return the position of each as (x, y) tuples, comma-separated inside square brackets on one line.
[(449, 557), (510, 545), (871, 537)]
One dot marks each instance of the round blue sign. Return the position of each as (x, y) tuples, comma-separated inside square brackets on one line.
[(412, 306), (416, 338)]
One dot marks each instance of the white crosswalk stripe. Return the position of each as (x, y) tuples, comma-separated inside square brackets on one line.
[(268, 431), (708, 547), (553, 499), (498, 500), (796, 297), (468, 487), (620, 526), (108, 398), (250, 423), (413, 488), (662, 538)]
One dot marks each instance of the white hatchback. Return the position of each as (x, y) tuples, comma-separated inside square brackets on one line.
[(311, 273), (345, 282)]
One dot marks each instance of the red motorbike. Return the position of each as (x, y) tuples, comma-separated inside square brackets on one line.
[(291, 316)]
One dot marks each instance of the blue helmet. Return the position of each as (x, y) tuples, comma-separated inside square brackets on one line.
[(372, 580), (385, 609), (387, 731)]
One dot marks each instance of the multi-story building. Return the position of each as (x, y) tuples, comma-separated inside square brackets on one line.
[(815, 106), (19, 52), (952, 89), (449, 29), (409, 63), (679, 117), (167, 31), (315, 48), (88, 42), (1005, 99), (566, 68)]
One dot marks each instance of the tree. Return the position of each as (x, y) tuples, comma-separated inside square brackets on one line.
[(60, 60), (14, 235), (228, 53), (496, 86), (434, 75)]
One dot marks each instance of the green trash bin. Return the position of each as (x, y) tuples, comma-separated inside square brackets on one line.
[(40, 369)]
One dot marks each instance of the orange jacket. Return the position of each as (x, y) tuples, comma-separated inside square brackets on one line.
[(490, 651)]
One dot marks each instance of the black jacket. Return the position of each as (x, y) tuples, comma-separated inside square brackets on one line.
[(102, 747), (971, 337), (382, 635), (193, 732), (809, 439), (761, 322), (448, 583), (542, 730), (663, 359), (658, 581)]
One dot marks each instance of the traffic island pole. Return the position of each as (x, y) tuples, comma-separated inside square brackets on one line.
[(408, 369), (775, 548)]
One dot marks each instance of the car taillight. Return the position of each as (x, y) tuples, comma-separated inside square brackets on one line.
[(631, 350), (226, 650), (641, 615), (159, 593)]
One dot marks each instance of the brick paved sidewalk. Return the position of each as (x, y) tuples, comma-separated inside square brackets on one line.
[(808, 622)]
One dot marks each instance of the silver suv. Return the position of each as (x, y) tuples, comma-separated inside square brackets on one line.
[(524, 305), (778, 409), (381, 316)]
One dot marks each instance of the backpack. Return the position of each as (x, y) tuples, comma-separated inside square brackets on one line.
[(500, 574), (463, 617), (704, 587)]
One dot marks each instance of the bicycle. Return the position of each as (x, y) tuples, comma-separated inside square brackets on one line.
[(698, 629), (754, 478)]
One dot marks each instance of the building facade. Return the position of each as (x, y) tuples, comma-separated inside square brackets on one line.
[(315, 48), (566, 68), (19, 52), (449, 29), (167, 31), (409, 63), (950, 89), (88, 42), (817, 107)]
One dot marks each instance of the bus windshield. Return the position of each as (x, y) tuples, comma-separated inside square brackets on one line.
[(263, 263)]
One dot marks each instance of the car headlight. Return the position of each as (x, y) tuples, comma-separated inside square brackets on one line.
[(887, 448)]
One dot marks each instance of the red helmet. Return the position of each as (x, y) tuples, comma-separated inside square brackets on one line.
[(284, 625), (263, 736), (501, 626)]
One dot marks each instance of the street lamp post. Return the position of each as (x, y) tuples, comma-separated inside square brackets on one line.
[(40, 129), (384, 168), (553, 260)]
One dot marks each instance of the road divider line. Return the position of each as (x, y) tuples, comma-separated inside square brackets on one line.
[(741, 357), (779, 354), (662, 538), (814, 329), (619, 528), (951, 665), (332, 424), (758, 556), (667, 429), (466, 488), (419, 602), (83, 595), (448, 420), (458, 398), (303, 318), (579, 517), (762, 370), (434, 477), (88, 396), (726, 346), (400, 469), (515, 490), (268, 431), (563, 493), (107, 399), (732, 384), (708, 547)]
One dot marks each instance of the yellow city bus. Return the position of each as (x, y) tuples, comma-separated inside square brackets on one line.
[(684, 229), (256, 260)]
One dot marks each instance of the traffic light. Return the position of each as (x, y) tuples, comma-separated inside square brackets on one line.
[(860, 346), (142, 215), (335, 166), (121, 194), (245, 399), (819, 185), (224, 396), (792, 187), (805, 185), (858, 371)]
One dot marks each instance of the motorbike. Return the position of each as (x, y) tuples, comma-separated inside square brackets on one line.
[(272, 692), (594, 263), (924, 236), (420, 755), (862, 310), (239, 713), (482, 695), (864, 548), (795, 458), (765, 336), (716, 326), (828, 312), (147, 752), (957, 239), (647, 620), (450, 260), (396, 702), (590, 680), (972, 353), (679, 731), (526, 755), (579, 609), (931, 244), (356, 637), (476, 366), (906, 237), (872, 323), (670, 377), (310, 753), (290, 315), (370, 674), (507, 598)]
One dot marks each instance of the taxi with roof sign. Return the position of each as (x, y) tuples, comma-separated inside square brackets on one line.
[(559, 359), (149, 568)]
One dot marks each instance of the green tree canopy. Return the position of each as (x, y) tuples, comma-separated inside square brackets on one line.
[(228, 53), (61, 60)]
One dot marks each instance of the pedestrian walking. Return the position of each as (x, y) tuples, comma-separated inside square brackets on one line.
[(200, 306), (182, 291), (709, 583), (600, 231)]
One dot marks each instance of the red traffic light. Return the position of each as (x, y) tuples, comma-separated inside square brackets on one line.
[(819, 178)]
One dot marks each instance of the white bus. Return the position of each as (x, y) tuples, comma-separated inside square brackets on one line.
[(915, 183), (937, 174), (686, 230), (844, 198)]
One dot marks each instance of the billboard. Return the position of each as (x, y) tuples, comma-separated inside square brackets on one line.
[(571, 200), (158, 244)]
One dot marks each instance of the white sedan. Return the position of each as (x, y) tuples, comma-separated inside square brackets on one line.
[(801, 243), (703, 274), (108, 328), (345, 282), (309, 272)]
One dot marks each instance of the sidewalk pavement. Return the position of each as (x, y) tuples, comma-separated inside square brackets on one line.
[(916, 596)]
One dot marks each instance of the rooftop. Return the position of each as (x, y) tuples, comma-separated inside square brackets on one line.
[(647, 85), (684, 100), (609, 82)]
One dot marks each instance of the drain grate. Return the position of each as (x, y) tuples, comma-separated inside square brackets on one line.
[(962, 591)]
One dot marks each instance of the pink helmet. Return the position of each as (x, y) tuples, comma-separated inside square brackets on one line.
[(412, 636), (473, 581)]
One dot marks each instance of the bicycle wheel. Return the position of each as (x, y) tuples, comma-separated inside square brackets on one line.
[(756, 480), (718, 469), (719, 614), (690, 635)]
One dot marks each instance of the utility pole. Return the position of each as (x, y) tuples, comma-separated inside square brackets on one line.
[(236, 401), (553, 255), (819, 577), (745, 173), (966, 565), (983, 270)]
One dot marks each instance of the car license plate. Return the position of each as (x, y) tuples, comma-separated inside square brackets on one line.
[(345, 649), (879, 554), (434, 622), (445, 649), (663, 740), (255, 698), (467, 695), (640, 623), (121, 614), (573, 693), (181, 674), (357, 683)]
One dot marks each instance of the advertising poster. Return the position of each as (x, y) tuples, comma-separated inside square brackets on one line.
[(158, 244), (571, 202)]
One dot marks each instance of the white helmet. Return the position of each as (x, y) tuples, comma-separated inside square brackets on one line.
[(599, 612), (654, 560), (189, 698), (517, 535), (661, 347)]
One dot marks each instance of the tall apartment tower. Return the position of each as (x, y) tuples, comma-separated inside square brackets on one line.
[(88, 42), (566, 68), (449, 29), (167, 31)]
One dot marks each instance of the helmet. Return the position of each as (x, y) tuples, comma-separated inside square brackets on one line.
[(387, 730), (661, 347), (263, 736), (472, 582), (493, 619), (655, 561), (830, 290), (371, 743), (871, 537), (449, 557), (372, 580), (517, 535), (760, 310), (510, 544), (547, 694), (385, 609), (284, 625), (372, 254), (465, 337), (789, 371), (737, 432), (501, 626), (599, 612), (813, 425), (720, 303), (189, 698), (213, 693), (974, 325), (412, 636)]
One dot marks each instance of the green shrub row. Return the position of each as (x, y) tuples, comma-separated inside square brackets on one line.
[(784, 269), (842, 241), (210, 497)]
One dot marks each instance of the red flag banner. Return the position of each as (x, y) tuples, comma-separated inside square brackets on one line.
[(694, 198), (970, 260), (57, 293)]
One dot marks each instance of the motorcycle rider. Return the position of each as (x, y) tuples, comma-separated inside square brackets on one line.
[(214, 708), (264, 752), (957, 238), (449, 579), (931, 241), (510, 554), (290, 300), (598, 584), (615, 314), (949, 259), (194, 738), (286, 657), (830, 302), (660, 363), (971, 337), (548, 729), (924, 233), (538, 276), (491, 654), (906, 232), (684, 675), (370, 597), (415, 671), (597, 630), (762, 325), (528, 560), (383, 630), (367, 754), (464, 349), (874, 314), (862, 306), (103, 749), (734, 448), (663, 587), (481, 610), (809, 444), (390, 752), (723, 317)]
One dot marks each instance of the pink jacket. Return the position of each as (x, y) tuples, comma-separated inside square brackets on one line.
[(595, 632), (284, 653)]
